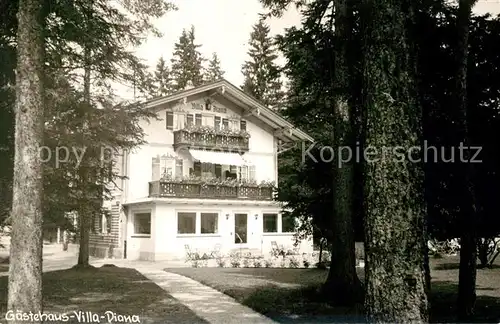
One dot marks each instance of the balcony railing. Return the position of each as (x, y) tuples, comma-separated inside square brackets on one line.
[(200, 140), (166, 189)]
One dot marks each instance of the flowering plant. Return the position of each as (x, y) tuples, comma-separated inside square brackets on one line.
[(213, 131)]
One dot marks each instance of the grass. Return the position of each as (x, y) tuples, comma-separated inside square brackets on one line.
[(120, 290), (291, 295)]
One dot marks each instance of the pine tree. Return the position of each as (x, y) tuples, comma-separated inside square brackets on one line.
[(214, 71), (262, 74), (25, 270), (162, 79), (187, 61)]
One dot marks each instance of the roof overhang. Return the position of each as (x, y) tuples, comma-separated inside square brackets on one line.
[(282, 129)]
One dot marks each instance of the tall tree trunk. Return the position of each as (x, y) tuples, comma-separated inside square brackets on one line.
[(468, 237), (85, 210), (395, 213), (342, 282), (25, 271)]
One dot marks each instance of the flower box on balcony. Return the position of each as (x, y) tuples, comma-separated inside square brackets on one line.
[(210, 189), (208, 138)]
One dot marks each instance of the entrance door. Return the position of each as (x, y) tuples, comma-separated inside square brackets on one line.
[(240, 228)]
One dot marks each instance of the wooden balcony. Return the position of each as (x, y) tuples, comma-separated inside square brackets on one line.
[(199, 140), (166, 189)]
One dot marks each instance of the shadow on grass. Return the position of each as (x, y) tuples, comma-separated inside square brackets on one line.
[(443, 301), (456, 266), (119, 290)]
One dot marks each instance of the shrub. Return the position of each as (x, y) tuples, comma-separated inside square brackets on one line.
[(306, 264), (246, 263), (221, 263), (283, 264), (196, 263), (268, 263), (321, 265), (257, 263), (294, 263)]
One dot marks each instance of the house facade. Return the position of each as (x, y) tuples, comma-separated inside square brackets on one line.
[(203, 181)]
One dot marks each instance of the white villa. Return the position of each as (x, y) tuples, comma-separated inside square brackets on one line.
[(201, 181)]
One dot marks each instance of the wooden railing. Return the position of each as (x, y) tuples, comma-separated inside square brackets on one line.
[(165, 189), (202, 141)]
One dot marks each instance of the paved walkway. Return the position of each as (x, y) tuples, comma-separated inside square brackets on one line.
[(209, 304)]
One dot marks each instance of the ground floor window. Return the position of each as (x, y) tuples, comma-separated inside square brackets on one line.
[(197, 223), (270, 223), (186, 223), (142, 223), (209, 222), (287, 224)]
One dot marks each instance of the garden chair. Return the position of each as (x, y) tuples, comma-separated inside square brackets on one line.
[(216, 251), (189, 254), (276, 250)]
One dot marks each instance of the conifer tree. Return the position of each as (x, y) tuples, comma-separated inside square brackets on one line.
[(262, 74), (214, 71), (162, 79), (187, 61)]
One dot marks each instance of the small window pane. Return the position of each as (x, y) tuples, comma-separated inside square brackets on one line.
[(209, 223), (217, 123), (189, 120), (225, 123), (186, 223), (287, 224), (270, 223), (243, 125), (142, 223)]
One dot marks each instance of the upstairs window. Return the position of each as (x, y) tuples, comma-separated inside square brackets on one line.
[(170, 120), (243, 125), (189, 120), (225, 123), (217, 123), (198, 118)]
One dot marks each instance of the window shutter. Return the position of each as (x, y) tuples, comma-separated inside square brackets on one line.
[(170, 120)]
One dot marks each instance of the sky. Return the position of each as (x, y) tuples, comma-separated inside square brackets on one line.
[(224, 26)]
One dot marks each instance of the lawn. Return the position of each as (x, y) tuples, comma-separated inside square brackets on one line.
[(290, 295), (120, 290)]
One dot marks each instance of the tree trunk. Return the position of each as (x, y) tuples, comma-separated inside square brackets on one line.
[(342, 282), (25, 271), (395, 230), (468, 238), (84, 212)]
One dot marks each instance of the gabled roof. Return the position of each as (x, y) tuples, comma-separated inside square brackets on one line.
[(282, 128)]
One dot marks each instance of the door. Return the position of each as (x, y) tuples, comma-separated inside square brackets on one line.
[(240, 228)]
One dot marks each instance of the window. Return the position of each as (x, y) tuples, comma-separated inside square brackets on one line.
[(270, 223), (243, 173), (197, 119), (189, 120), (251, 173), (142, 223), (186, 223), (106, 223), (179, 168), (287, 224), (207, 170), (161, 168), (217, 122), (170, 120), (225, 123), (197, 169), (243, 125), (209, 223)]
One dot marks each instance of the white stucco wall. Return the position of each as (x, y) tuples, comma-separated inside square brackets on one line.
[(160, 140)]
